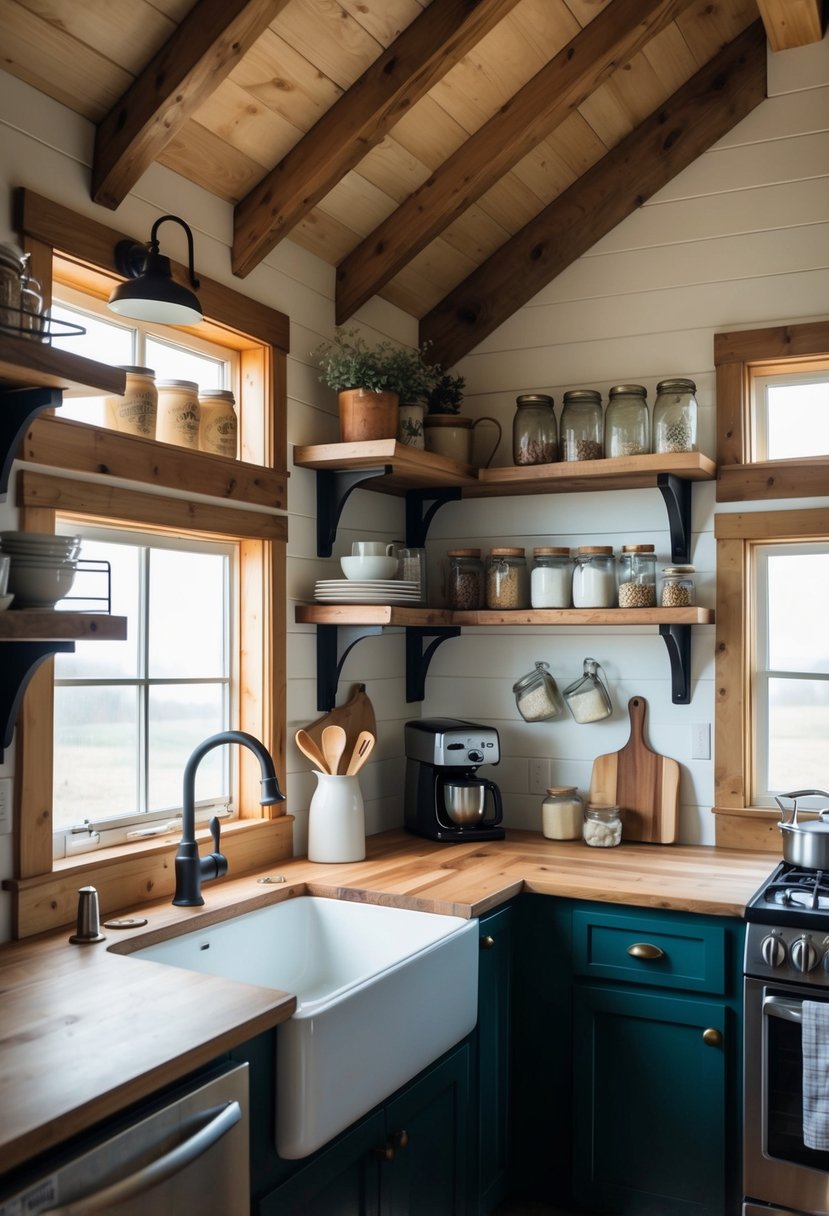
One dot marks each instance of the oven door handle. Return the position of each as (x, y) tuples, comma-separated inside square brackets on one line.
[(780, 1007)]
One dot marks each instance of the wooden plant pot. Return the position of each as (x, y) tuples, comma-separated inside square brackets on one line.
[(367, 415)]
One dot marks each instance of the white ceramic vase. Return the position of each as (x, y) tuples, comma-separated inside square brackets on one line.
[(336, 820)]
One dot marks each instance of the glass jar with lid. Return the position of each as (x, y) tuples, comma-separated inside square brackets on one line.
[(582, 425), (562, 813), (637, 576), (602, 826), (134, 413), (11, 275), (178, 413), (594, 577), (675, 416), (678, 589), (464, 580), (534, 430), (537, 696), (218, 425), (627, 422), (587, 698), (507, 579), (551, 578)]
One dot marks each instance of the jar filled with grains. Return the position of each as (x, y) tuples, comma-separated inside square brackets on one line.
[(678, 589), (582, 425), (594, 577), (464, 580), (627, 428), (178, 416), (507, 579), (537, 695), (551, 578), (637, 576), (587, 698), (534, 430), (562, 813), (675, 416), (602, 826)]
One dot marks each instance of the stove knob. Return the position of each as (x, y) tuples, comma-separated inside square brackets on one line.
[(804, 955), (773, 950)]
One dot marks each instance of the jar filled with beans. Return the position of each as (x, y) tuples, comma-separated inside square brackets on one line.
[(464, 580), (678, 589), (582, 425), (507, 579), (637, 576), (675, 416)]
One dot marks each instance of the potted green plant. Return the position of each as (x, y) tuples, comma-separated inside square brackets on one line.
[(365, 380), (445, 430)]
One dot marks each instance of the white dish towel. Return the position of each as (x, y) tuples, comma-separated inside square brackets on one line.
[(815, 1040)]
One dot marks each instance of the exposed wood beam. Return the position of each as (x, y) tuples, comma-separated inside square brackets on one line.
[(791, 23), (205, 48), (688, 123), (609, 40), (416, 60)]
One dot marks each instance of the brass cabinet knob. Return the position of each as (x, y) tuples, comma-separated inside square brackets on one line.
[(712, 1037), (646, 951), (396, 1140), (386, 1153), (487, 942), (400, 1139)]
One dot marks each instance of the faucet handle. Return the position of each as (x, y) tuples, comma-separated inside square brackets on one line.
[(217, 856)]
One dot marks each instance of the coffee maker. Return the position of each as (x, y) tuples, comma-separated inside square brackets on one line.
[(444, 799)]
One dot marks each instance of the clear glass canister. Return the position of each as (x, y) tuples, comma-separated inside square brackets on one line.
[(602, 826), (135, 412), (594, 577), (675, 416), (507, 579), (537, 695), (11, 271), (551, 578), (678, 590), (587, 698), (627, 427), (637, 576), (562, 813), (218, 425), (178, 413), (464, 580), (534, 430), (582, 425)]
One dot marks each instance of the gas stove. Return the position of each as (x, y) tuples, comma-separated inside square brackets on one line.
[(788, 927)]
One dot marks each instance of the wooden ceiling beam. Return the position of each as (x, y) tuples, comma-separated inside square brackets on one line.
[(422, 54), (611, 39), (689, 122), (791, 23), (194, 61)]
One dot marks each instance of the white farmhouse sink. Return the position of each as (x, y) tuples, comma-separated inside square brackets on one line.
[(381, 992)]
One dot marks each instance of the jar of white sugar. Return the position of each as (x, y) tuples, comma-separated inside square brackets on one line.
[(551, 579), (537, 695), (594, 577), (587, 698)]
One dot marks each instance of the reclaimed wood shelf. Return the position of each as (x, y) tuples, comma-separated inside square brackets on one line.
[(28, 363), (393, 468)]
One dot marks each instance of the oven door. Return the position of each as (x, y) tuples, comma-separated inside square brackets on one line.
[(778, 1168)]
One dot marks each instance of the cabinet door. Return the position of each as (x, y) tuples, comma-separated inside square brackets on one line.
[(427, 1126), (649, 1097), (341, 1180), (494, 1058)]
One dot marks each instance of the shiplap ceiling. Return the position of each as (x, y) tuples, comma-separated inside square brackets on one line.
[(450, 156)]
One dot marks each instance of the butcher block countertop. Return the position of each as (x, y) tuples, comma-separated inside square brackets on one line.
[(85, 1030)]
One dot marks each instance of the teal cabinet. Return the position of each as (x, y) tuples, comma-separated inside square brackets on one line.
[(493, 1046)]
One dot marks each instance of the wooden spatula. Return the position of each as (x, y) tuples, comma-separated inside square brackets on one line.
[(333, 746), (642, 783)]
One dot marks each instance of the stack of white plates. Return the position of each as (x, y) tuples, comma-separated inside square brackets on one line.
[(42, 566), (366, 591)]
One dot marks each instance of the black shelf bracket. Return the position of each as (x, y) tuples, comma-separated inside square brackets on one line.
[(333, 644), (333, 488), (676, 492), (18, 406), (418, 659), (678, 641), (20, 662), (418, 519)]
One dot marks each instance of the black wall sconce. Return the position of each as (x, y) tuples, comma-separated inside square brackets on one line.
[(150, 292)]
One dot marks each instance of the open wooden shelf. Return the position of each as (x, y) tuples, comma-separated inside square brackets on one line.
[(42, 625), (28, 363), (400, 468), (390, 615)]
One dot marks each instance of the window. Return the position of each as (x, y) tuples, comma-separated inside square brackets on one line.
[(790, 415)]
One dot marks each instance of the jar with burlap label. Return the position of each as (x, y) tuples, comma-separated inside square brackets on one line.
[(135, 412), (218, 425), (178, 413)]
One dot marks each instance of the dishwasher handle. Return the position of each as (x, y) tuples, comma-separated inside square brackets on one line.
[(780, 1007), (149, 1176)]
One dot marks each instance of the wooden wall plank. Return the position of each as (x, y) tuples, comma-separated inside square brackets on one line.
[(791, 23), (809, 339)]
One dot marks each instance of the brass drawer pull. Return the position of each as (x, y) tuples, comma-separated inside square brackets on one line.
[(645, 950), (487, 942), (712, 1037)]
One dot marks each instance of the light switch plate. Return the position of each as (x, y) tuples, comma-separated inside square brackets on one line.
[(701, 741), (540, 775), (5, 805)]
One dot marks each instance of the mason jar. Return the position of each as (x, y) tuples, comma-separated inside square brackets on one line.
[(581, 425), (678, 590), (637, 576), (11, 272), (602, 826), (537, 696), (134, 413), (627, 422), (178, 413), (551, 578), (587, 698), (534, 430), (218, 425), (594, 577), (562, 813), (507, 579), (675, 416), (464, 580)]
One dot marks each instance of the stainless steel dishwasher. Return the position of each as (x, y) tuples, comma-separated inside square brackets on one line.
[(185, 1153)]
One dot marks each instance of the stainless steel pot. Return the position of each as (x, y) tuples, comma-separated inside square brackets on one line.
[(805, 843)]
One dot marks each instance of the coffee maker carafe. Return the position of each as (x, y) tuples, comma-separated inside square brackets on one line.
[(444, 798)]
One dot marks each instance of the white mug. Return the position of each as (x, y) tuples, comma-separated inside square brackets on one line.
[(371, 548)]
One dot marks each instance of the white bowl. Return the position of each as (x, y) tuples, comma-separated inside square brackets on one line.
[(369, 567), (40, 586), (37, 540)]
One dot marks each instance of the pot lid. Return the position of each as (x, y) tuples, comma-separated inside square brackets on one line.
[(816, 827)]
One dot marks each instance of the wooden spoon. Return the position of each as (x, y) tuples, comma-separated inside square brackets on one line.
[(333, 746), (360, 752), (309, 748)]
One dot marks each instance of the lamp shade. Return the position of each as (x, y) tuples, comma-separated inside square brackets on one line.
[(155, 296)]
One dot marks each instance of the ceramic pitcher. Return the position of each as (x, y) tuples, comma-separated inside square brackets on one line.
[(336, 820)]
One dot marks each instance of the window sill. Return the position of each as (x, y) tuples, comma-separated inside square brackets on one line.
[(801, 478), (129, 875), (748, 827)]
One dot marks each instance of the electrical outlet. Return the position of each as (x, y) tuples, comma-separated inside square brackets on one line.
[(540, 776), (701, 741), (5, 806)]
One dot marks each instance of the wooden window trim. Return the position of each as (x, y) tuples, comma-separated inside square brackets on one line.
[(44, 893)]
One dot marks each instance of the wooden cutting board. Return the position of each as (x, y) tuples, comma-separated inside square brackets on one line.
[(642, 783), (357, 714)]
